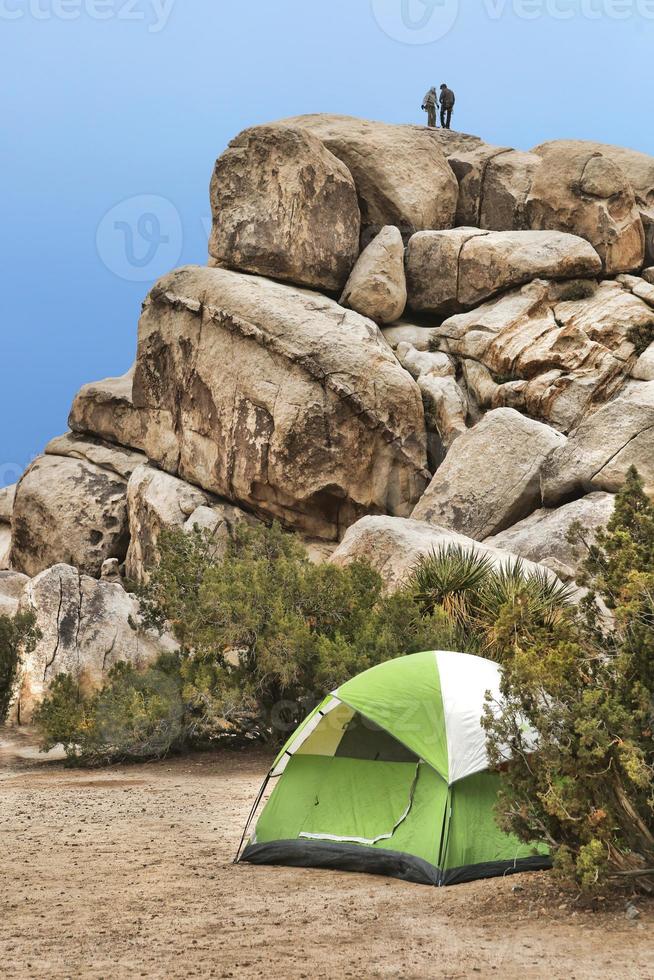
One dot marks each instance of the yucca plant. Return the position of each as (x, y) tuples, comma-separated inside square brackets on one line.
[(491, 608), (450, 577), (512, 603)]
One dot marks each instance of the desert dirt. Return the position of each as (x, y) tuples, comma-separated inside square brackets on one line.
[(127, 872)]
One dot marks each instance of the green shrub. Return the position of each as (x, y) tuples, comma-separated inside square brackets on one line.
[(136, 715), (263, 635), (18, 635), (585, 686)]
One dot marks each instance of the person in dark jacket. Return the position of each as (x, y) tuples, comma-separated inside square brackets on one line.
[(429, 104), (447, 105)]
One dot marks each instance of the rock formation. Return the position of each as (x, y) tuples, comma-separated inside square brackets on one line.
[(68, 509), (457, 270), (403, 337), (156, 502), (544, 535), (553, 351), (401, 174), (601, 450), (284, 206), (393, 545), (281, 400)]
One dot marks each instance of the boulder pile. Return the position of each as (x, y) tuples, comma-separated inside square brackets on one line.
[(402, 337)]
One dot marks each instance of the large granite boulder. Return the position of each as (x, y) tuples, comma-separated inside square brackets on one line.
[(500, 260), (281, 400), (638, 168), (393, 545), (432, 269), (507, 181), (68, 510), (377, 285), (156, 502), (583, 192), (86, 626), (105, 409), (401, 174), (455, 270), (470, 160), (285, 207), (490, 478), (552, 350), (544, 535), (601, 450)]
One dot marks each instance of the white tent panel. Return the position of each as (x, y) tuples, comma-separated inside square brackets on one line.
[(465, 681)]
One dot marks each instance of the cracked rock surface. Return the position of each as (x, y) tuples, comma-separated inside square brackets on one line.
[(555, 351), (86, 627), (490, 478), (600, 451), (156, 502), (456, 270), (281, 400)]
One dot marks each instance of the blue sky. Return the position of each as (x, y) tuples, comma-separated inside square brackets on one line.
[(115, 110)]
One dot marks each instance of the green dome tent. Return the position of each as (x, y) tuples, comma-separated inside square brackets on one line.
[(389, 775)]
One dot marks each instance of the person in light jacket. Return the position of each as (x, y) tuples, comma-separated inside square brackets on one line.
[(429, 104)]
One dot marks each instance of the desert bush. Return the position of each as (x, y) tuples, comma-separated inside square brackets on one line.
[(263, 635), (18, 635), (136, 715), (578, 715)]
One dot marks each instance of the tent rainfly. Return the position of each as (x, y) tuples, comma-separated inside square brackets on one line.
[(389, 775)]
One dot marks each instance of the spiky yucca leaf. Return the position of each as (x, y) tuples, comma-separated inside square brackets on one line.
[(543, 595), (449, 577), (519, 601)]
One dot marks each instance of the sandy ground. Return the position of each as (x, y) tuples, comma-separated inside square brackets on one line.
[(127, 872)]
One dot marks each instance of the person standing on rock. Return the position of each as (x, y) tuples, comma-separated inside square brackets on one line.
[(447, 106), (429, 104)]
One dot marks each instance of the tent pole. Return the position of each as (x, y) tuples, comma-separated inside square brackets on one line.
[(251, 817)]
